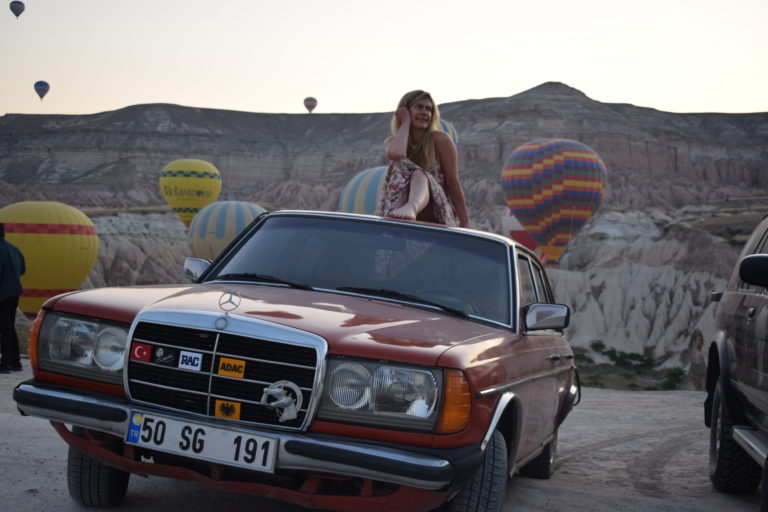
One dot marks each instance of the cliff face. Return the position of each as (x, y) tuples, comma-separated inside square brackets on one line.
[(637, 277)]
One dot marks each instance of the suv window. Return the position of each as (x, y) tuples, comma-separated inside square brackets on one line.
[(760, 248)]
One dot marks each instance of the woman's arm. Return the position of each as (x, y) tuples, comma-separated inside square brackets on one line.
[(448, 158), (397, 147)]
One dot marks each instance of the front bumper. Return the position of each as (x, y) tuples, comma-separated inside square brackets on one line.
[(421, 468)]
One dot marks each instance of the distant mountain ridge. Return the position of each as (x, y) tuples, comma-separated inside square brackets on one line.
[(654, 158)]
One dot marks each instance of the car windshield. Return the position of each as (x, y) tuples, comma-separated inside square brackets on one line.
[(459, 272)]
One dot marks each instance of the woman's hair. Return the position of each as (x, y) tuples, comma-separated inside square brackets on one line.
[(422, 151)]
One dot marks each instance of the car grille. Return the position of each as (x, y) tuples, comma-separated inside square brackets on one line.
[(215, 373)]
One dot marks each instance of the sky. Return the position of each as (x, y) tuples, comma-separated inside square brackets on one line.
[(361, 56)]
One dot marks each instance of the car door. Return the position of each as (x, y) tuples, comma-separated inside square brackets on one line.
[(545, 351), (752, 332)]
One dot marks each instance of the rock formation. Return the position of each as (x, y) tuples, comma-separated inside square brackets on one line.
[(638, 276)]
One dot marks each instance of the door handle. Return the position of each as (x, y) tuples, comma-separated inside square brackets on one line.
[(751, 312), (554, 357)]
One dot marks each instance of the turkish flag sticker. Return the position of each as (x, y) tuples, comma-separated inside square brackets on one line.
[(141, 352)]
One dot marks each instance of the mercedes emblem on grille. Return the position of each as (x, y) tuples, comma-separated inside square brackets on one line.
[(229, 301), (284, 397)]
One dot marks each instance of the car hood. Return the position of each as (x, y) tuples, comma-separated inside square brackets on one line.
[(352, 325)]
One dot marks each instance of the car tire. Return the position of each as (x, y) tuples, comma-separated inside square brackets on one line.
[(486, 490), (93, 484), (731, 469), (764, 490), (543, 466)]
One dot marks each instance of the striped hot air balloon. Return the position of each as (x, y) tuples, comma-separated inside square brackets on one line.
[(553, 187), (448, 128), (59, 244), (361, 194), (188, 185), (512, 228), (217, 224)]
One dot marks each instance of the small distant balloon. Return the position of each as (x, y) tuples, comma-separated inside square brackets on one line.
[(310, 103), (41, 88), (17, 8)]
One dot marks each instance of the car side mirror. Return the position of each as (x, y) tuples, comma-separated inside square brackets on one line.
[(754, 270), (539, 317), (194, 268)]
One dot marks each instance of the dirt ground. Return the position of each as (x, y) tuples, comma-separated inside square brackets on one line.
[(619, 451)]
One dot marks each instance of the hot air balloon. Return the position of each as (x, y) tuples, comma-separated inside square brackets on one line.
[(512, 228), (448, 128), (361, 194), (553, 187), (310, 103), (59, 244), (217, 224), (17, 8), (41, 88), (188, 185)]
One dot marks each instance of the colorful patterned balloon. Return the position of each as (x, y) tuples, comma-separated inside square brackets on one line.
[(217, 224), (553, 187), (59, 244), (361, 194), (188, 185), (512, 228)]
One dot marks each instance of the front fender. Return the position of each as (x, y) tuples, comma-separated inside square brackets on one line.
[(719, 369)]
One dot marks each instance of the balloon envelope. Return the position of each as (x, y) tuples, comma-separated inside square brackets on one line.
[(512, 228), (553, 187), (17, 8), (361, 194), (188, 185), (448, 128), (41, 88), (217, 224), (59, 244), (310, 103)]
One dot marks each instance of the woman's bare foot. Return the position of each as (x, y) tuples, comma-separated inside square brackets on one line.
[(418, 198), (407, 211)]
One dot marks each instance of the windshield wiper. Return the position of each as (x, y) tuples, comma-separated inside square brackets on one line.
[(394, 294), (252, 276)]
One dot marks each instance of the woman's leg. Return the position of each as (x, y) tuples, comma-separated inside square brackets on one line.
[(418, 197)]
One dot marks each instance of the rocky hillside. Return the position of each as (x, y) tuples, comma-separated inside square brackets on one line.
[(637, 277)]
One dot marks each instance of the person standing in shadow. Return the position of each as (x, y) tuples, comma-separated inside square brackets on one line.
[(12, 267)]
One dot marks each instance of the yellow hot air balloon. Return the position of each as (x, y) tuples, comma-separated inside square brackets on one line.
[(188, 185), (59, 244), (219, 223)]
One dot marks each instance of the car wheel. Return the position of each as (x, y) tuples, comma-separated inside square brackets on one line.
[(486, 490), (731, 469), (543, 466), (93, 484)]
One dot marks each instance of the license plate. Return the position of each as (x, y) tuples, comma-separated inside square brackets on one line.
[(230, 447)]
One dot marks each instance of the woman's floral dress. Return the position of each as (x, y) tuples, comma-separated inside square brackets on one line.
[(397, 186)]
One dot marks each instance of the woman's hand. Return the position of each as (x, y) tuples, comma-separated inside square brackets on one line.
[(403, 114)]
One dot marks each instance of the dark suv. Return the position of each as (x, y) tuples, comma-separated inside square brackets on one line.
[(736, 409)]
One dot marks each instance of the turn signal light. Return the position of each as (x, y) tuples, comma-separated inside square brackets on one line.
[(457, 403)]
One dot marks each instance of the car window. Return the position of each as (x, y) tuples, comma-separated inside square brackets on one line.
[(542, 291), (760, 248), (527, 286), (451, 268)]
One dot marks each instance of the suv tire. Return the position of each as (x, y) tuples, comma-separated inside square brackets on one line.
[(731, 469), (543, 466)]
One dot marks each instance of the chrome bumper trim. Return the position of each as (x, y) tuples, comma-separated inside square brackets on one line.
[(296, 452)]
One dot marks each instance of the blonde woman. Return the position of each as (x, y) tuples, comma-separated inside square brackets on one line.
[(422, 181)]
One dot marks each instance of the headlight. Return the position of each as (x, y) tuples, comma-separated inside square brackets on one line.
[(82, 347), (381, 395)]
